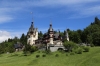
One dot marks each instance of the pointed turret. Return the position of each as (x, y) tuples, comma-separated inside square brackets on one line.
[(32, 34), (32, 25), (67, 36), (51, 33), (50, 28), (31, 29)]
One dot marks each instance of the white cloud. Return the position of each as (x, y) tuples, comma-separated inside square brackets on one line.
[(76, 8), (17, 33), (4, 35)]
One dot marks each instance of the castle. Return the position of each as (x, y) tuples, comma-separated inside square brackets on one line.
[(32, 35), (50, 38)]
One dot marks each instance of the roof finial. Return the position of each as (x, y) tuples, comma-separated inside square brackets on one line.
[(32, 16), (32, 23), (50, 22)]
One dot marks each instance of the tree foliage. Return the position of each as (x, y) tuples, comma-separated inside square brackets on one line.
[(23, 39), (70, 46)]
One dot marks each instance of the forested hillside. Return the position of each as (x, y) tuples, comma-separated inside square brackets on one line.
[(89, 35)]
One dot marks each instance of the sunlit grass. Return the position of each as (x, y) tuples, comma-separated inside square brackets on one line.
[(91, 58)]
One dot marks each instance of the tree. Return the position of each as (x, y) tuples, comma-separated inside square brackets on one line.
[(40, 34), (69, 45), (29, 49), (96, 38), (97, 21), (74, 36), (23, 39), (89, 39), (10, 40), (64, 32), (16, 39)]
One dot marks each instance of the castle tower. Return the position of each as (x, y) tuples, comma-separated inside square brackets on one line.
[(67, 36), (32, 35), (36, 33), (51, 33)]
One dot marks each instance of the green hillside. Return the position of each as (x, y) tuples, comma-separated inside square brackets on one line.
[(91, 58)]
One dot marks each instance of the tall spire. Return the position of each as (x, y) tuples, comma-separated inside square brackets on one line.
[(50, 29), (67, 36), (32, 25), (32, 16), (50, 23)]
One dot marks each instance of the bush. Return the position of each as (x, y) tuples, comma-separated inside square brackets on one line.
[(70, 46), (56, 55), (25, 54), (37, 56), (29, 49), (43, 55), (86, 49), (33, 49), (72, 53), (79, 51)]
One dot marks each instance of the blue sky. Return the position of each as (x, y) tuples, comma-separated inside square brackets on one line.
[(16, 17)]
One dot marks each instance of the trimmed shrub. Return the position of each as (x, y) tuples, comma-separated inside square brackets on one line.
[(56, 55), (25, 54), (86, 49), (79, 51), (43, 55), (37, 56)]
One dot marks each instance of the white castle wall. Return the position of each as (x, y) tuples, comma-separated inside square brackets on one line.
[(51, 39), (32, 38)]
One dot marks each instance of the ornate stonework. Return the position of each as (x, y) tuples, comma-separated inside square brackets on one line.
[(32, 35)]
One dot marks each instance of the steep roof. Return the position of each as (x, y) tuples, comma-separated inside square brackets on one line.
[(32, 29), (50, 28)]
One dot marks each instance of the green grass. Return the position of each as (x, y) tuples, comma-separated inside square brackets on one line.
[(91, 58)]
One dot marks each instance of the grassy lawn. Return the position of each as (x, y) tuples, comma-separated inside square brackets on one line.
[(91, 58)]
